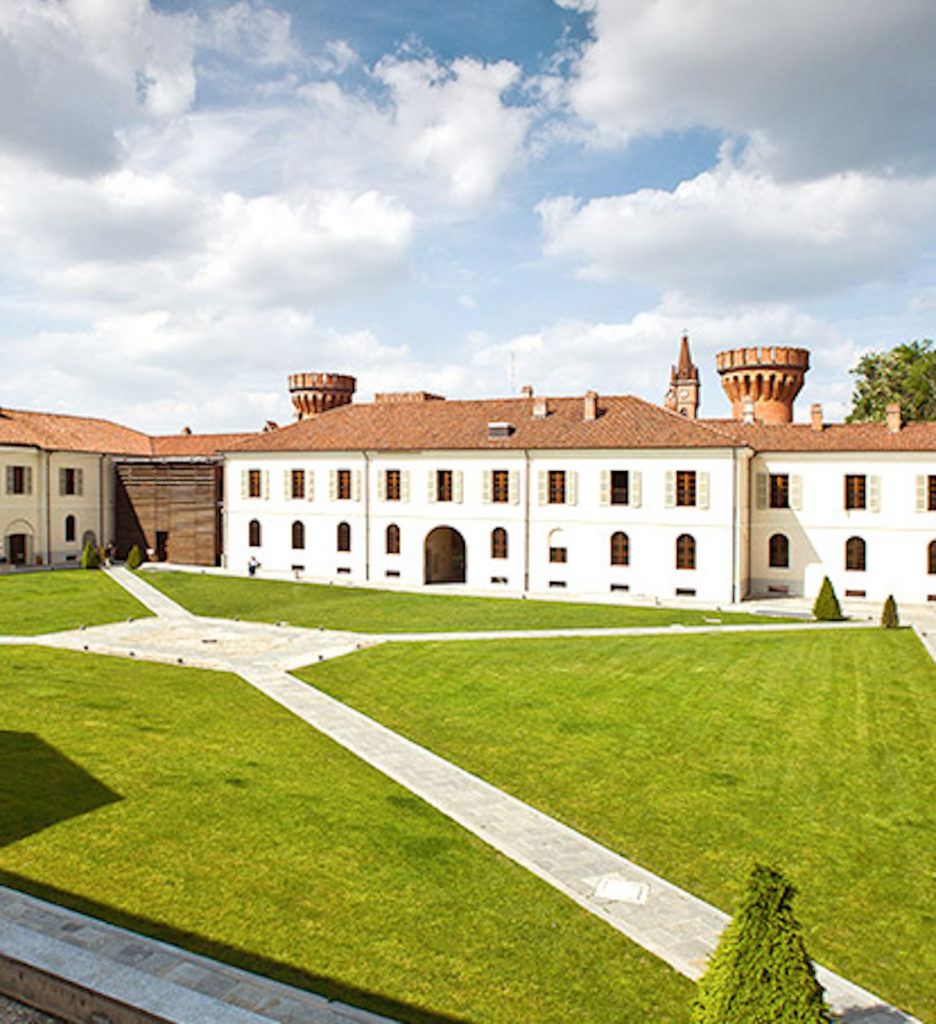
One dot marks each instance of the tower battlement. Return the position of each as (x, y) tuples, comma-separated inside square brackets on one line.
[(315, 393), (763, 382)]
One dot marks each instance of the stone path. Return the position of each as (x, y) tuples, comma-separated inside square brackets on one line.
[(669, 922)]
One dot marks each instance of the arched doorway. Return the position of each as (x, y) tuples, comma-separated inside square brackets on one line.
[(19, 543), (445, 559)]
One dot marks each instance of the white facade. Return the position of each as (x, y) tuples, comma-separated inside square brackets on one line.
[(51, 502), (554, 538)]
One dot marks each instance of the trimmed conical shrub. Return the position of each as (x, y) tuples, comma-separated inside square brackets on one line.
[(760, 972), (135, 558), (826, 607), (89, 557), (889, 617)]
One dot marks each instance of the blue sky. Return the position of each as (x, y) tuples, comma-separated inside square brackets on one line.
[(197, 199)]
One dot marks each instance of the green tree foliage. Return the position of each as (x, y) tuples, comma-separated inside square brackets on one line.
[(906, 374), (826, 607), (889, 616), (89, 557), (135, 558), (760, 972)]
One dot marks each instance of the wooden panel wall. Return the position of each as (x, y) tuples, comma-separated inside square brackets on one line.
[(180, 499)]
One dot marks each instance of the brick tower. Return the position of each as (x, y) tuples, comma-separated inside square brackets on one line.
[(762, 383), (683, 393), (314, 393)]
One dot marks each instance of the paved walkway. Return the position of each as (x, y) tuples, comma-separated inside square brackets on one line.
[(671, 923)]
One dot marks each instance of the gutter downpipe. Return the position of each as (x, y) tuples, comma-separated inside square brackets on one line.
[(526, 522), (367, 536), (48, 509)]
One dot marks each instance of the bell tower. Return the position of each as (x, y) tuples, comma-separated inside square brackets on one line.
[(683, 393)]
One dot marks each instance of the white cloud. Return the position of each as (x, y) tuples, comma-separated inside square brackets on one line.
[(824, 87), (250, 31), (733, 235)]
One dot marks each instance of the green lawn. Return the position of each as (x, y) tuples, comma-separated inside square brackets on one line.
[(381, 611), (696, 755), (45, 602), (187, 805)]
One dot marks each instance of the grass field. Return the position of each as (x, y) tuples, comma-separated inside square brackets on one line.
[(696, 755), (188, 806), (380, 611), (44, 602)]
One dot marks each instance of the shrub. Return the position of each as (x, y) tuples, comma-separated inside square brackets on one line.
[(827, 607), (135, 558), (889, 617), (760, 972), (90, 559)]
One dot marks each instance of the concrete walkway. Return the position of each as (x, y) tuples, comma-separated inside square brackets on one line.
[(669, 922)]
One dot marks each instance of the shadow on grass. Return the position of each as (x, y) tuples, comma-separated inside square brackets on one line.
[(39, 787), (330, 988)]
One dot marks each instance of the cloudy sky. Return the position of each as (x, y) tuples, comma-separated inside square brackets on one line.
[(198, 197)]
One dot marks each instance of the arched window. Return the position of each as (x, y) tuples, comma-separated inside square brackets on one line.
[(620, 548), (70, 530), (558, 551), (778, 551), (298, 536), (253, 533), (393, 539), (685, 551), (498, 542), (344, 537), (855, 554), (931, 558)]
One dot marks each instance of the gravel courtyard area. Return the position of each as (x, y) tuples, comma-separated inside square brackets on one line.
[(16, 1013)]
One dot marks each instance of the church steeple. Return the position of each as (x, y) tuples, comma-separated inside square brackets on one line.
[(683, 394)]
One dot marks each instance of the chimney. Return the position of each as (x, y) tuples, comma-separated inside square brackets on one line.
[(893, 417), (591, 406), (816, 413), (186, 430), (527, 391), (747, 414), (539, 407)]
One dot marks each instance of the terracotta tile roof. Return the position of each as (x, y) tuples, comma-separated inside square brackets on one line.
[(53, 431), (834, 437), (622, 422), (196, 444)]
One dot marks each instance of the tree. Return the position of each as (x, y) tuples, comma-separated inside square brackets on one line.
[(135, 558), (760, 972), (826, 607), (906, 374), (889, 617), (89, 557)]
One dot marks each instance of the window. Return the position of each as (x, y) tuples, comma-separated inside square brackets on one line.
[(344, 537), (778, 551), (685, 487), (343, 485), (931, 493), (392, 484), (619, 486), (253, 534), (557, 487), (498, 542), (855, 491), (298, 536), (558, 554), (620, 548), (443, 485), (500, 486), (254, 483), (779, 490), (19, 480), (393, 539), (855, 554), (685, 552), (70, 481), (297, 484), (931, 558), (70, 528)]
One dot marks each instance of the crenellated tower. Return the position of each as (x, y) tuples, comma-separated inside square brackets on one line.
[(763, 382), (683, 393), (315, 393)]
